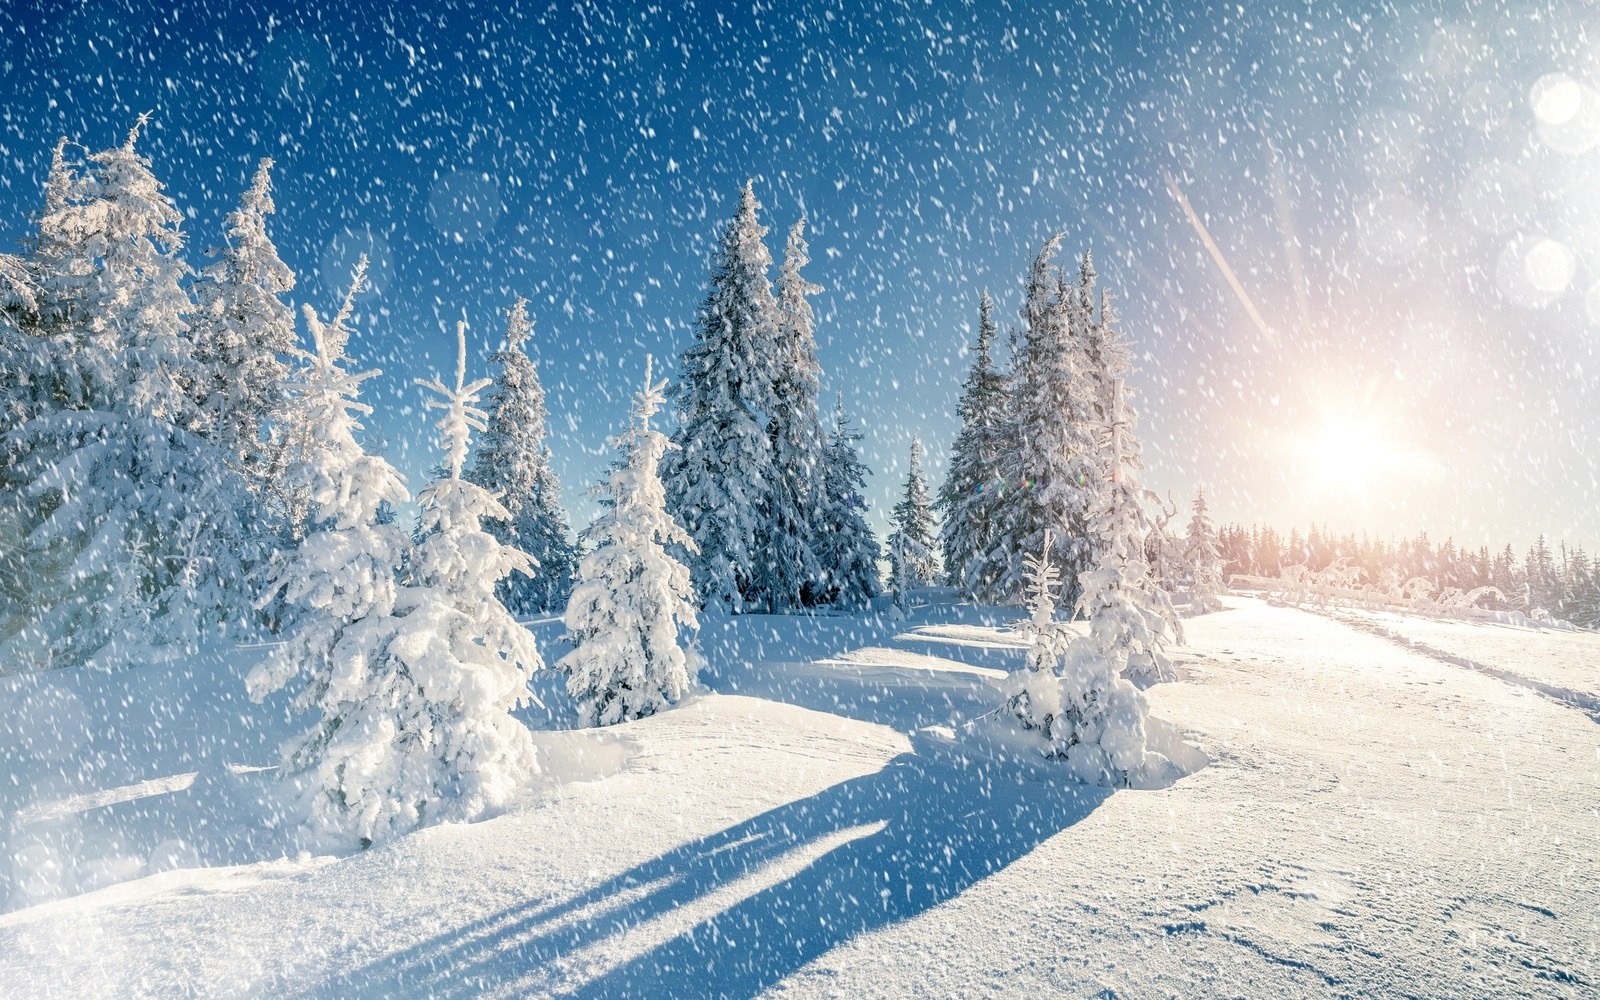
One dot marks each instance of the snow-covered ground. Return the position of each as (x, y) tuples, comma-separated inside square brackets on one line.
[(1562, 664), (1374, 819)]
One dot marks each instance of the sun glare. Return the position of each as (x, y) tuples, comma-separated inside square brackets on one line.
[(1348, 454)]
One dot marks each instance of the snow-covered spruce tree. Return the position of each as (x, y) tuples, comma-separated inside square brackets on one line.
[(632, 596), (913, 560), (137, 529), (19, 345), (243, 333), (1131, 619), (1205, 564), (1072, 695), (787, 571), (847, 549), (342, 578), (1108, 361), (514, 463), (1033, 694), (718, 481), (467, 657), (967, 498), (22, 374), (1050, 460), (415, 701), (31, 384)]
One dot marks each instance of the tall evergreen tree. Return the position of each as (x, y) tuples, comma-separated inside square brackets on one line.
[(633, 597), (243, 332), (514, 462), (1129, 616), (342, 578), (20, 349), (415, 700), (1051, 461), (719, 480), (136, 529), (22, 370), (968, 497), (467, 659), (847, 549), (913, 559), (1205, 564), (788, 574)]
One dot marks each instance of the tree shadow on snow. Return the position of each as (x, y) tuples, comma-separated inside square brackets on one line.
[(893, 844)]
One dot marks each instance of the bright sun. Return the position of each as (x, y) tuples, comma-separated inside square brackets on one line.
[(1349, 454)]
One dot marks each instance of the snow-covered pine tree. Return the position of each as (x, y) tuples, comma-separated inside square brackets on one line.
[(31, 384), (787, 572), (22, 351), (967, 498), (22, 370), (341, 576), (514, 463), (1033, 693), (847, 548), (467, 658), (57, 256), (1131, 620), (1072, 694), (1050, 461), (243, 333), (137, 530), (718, 481), (1205, 564), (633, 597), (913, 559), (415, 699)]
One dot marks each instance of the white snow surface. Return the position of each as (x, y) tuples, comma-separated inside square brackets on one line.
[(821, 820)]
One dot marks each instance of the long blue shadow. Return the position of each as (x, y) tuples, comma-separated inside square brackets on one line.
[(948, 821)]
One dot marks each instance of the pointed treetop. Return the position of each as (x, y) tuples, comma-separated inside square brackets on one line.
[(1042, 579), (646, 403), (133, 133), (986, 330), (58, 156), (460, 403), (261, 185), (58, 184), (838, 410), (338, 331), (794, 286), (519, 328), (749, 206)]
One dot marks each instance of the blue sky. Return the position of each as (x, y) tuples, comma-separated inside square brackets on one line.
[(1406, 193)]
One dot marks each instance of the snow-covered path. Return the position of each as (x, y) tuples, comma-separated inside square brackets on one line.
[(1373, 821)]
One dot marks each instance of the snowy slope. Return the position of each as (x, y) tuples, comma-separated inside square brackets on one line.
[(1373, 820), (1562, 664)]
